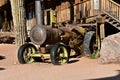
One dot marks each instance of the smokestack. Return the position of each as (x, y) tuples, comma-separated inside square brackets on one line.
[(38, 11)]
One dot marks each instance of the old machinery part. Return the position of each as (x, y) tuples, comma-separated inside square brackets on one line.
[(89, 42), (38, 11), (48, 48), (59, 54), (25, 52), (38, 34), (79, 30)]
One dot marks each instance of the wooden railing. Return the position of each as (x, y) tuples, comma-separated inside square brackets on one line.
[(111, 8), (89, 9)]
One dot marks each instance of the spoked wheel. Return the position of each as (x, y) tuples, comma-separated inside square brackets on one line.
[(59, 54), (89, 43), (25, 52)]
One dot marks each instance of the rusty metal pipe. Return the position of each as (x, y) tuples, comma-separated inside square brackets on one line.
[(38, 11)]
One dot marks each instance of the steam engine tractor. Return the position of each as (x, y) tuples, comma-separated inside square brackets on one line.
[(58, 44)]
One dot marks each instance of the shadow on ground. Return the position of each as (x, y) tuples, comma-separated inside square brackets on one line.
[(117, 77), (2, 69), (49, 61), (2, 57), (72, 61)]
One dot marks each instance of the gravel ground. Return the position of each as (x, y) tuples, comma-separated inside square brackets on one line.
[(77, 69)]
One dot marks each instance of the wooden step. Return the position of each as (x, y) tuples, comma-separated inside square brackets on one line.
[(118, 25)]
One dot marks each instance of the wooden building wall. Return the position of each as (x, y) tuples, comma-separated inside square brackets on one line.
[(74, 10), (63, 12), (58, 11)]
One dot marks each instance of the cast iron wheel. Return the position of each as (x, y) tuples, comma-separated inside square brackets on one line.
[(59, 54), (89, 42), (24, 53)]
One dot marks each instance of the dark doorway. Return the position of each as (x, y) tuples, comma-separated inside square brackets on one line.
[(48, 17)]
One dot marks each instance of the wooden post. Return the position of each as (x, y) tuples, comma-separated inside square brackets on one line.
[(18, 13), (102, 32)]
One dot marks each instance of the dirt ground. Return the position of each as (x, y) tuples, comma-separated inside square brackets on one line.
[(77, 69)]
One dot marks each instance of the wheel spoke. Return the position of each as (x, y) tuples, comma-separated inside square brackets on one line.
[(59, 54), (33, 51), (27, 55), (63, 55), (31, 60), (26, 52)]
